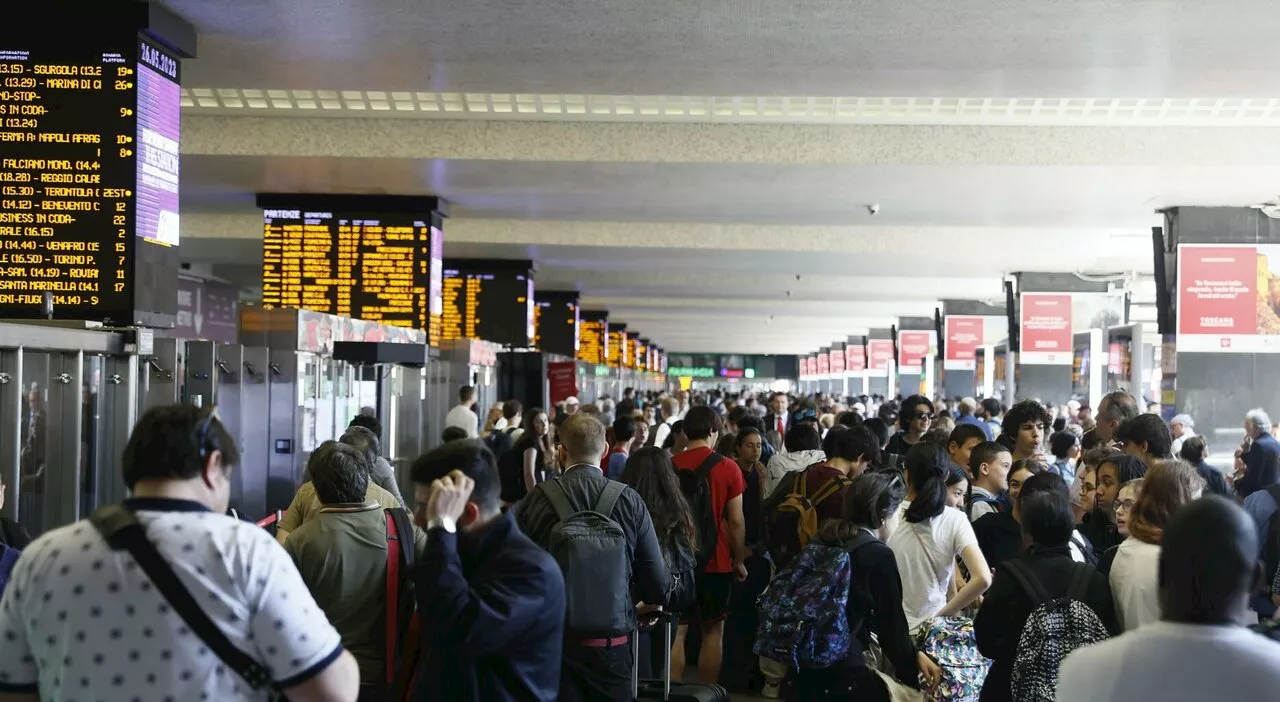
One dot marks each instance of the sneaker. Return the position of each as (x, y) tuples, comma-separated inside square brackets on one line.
[(771, 690)]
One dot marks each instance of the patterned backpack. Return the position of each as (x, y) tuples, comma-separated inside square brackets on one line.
[(953, 645), (802, 614), (1055, 628)]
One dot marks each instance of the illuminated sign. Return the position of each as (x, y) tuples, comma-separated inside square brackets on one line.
[(556, 322), (681, 372), (489, 299), (593, 337), (89, 134), (374, 258), (619, 346)]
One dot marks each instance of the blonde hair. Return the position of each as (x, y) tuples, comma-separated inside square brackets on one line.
[(1165, 488)]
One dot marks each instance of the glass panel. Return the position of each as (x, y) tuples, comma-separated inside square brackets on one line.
[(90, 431), (33, 437)]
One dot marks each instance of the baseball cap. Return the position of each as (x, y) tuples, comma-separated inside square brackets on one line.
[(571, 400), (1185, 420)]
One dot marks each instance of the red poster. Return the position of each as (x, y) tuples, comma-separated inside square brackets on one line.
[(880, 352), (1046, 329), (913, 346), (1228, 299), (824, 363), (964, 336), (804, 366), (1115, 359), (855, 358), (837, 361), (563, 379)]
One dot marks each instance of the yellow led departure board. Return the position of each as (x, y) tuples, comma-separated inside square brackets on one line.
[(489, 299), (556, 322), (89, 137), (379, 265), (593, 337), (618, 346)]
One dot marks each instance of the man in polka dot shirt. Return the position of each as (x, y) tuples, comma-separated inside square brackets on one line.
[(81, 621)]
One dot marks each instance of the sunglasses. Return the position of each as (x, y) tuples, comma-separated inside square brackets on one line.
[(924, 415)]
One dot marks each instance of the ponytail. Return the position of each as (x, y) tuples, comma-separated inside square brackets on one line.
[(927, 469)]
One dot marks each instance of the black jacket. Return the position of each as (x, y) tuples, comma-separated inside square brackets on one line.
[(1006, 607), (1262, 466), (492, 614), (651, 581), (1100, 530), (999, 536), (1215, 483), (12, 534)]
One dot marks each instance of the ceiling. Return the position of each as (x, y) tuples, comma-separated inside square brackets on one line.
[(999, 48), (712, 237)]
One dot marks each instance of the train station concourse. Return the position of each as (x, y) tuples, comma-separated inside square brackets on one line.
[(306, 235)]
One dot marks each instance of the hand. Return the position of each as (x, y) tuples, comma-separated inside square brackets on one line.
[(740, 571), (929, 670), (449, 496)]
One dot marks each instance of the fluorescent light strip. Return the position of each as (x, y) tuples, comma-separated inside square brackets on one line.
[(800, 110)]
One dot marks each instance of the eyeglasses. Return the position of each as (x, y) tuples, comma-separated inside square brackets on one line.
[(924, 415), (1125, 505)]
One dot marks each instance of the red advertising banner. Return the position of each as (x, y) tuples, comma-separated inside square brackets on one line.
[(964, 336), (563, 379), (824, 363), (837, 361), (1228, 299), (913, 347), (880, 353), (855, 358), (1046, 329)]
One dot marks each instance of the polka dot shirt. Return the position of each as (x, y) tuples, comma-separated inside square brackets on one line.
[(82, 622)]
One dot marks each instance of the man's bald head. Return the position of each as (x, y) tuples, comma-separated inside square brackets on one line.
[(1208, 563)]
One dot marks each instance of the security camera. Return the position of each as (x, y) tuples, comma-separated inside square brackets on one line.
[(797, 277), (873, 209)]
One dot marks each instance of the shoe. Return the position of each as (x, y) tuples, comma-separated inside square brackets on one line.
[(770, 690)]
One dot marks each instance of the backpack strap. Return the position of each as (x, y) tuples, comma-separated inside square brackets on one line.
[(1080, 582), (120, 527), (710, 462), (830, 488), (558, 498), (609, 498), (1028, 581), (394, 549)]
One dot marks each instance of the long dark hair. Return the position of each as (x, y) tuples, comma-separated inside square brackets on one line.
[(649, 472), (868, 502), (927, 469)]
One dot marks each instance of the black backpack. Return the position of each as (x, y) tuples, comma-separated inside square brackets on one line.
[(1271, 549), (592, 551), (1055, 628), (499, 442), (682, 562), (696, 487)]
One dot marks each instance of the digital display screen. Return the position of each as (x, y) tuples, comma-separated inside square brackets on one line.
[(593, 337), (489, 300), (88, 165), (376, 266), (556, 322), (642, 355), (618, 346)]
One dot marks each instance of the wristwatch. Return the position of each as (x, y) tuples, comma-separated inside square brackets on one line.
[(445, 523)]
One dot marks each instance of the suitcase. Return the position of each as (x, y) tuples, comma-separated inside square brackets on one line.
[(664, 689)]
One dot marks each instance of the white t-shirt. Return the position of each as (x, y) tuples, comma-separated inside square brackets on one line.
[(1135, 584), (463, 418), (80, 621), (1174, 663), (926, 554)]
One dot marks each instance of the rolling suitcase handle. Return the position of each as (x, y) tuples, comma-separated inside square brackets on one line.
[(666, 620)]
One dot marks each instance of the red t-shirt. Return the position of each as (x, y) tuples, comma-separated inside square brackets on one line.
[(726, 483)]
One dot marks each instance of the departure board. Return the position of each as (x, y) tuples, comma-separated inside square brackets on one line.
[(556, 322), (89, 133), (641, 360), (331, 255), (489, 299), (593, 337), (619, 346)]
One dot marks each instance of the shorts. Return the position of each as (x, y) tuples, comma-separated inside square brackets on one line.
[(712, 600)]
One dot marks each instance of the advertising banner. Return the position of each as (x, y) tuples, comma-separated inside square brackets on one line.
[(880, 352), (964, 335), (913, 347), (824, 363), (837, 362), (1228, 298), (1046, 329), (563, 379), (855, 358)]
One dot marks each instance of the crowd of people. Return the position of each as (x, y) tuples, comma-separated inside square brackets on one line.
[(809, 548)]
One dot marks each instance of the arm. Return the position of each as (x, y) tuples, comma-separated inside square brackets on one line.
[(979, 581), (485, 617), (530, 468), (737, 525), (652, 579), (338, 682)]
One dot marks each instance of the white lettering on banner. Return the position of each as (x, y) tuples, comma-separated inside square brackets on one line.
[(1218, 289)]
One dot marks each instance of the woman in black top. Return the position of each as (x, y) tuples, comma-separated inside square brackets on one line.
[(1044, 511), (530, 461), (1194, 451), (875, 599), (914, 421)]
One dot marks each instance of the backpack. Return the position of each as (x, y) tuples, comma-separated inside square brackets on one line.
[(1271, 549), (499, 442), (953, 646), (8, 556), (696, 487), (401, 648), (802, 614), (682, 562), (591, 549), (794, 523), (1055, 628)]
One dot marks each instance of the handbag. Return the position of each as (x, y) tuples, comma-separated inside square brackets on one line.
[(122, 531)]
